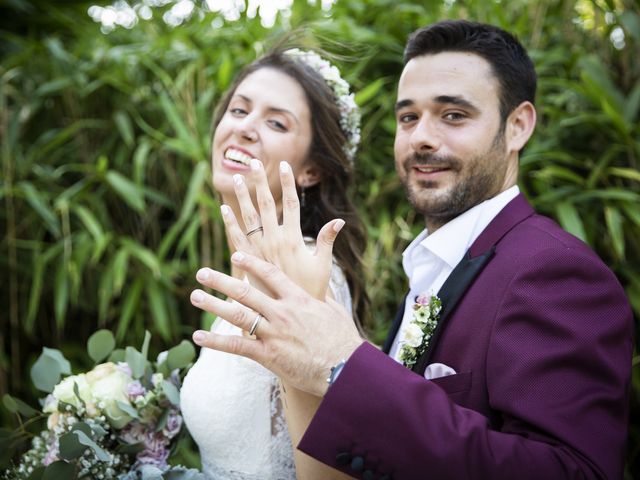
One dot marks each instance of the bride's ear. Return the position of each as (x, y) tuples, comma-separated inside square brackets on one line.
[(308, 176)]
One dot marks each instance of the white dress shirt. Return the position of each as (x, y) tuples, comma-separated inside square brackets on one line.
[(430, 259)]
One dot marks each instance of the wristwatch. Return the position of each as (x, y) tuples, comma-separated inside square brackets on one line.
[(335, 371)]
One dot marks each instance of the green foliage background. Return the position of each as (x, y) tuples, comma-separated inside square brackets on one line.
[(106, 205)]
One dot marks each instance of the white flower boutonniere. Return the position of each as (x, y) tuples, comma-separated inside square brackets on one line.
[(415, 338)]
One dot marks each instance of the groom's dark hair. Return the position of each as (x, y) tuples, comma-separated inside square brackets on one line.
[(508, 59)]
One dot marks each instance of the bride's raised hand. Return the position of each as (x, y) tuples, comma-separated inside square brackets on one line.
[(281, 244)]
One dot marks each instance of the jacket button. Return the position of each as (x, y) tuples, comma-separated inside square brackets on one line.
[(368, 475), (357, 464), (343, 458)]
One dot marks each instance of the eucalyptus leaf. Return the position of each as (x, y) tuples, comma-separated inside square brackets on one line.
[(136, 361), (128, 409), (48, 368), (85, 440), (100, 345), (145, 345), (37, 474), (10, 403), (171, 391), (181, 355), (118, 355)]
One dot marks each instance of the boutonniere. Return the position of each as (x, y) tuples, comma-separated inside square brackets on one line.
[(415, 338)]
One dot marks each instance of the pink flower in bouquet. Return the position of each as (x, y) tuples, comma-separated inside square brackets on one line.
[(174, 423)]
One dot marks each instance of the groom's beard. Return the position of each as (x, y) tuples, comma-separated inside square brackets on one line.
[(465, 184)]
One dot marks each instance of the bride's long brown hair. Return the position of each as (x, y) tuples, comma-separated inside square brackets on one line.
[(331, 197)]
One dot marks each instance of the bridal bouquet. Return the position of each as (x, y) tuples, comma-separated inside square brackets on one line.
[(119, 421)]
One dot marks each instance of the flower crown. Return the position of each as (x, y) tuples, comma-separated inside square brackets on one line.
[(349, 111)]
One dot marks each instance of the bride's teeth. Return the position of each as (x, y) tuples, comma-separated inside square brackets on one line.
[(237, 156)]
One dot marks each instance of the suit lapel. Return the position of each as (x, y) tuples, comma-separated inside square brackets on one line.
[(476, 258), (451, 292)]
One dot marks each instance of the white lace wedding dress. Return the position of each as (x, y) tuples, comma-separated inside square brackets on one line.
[(231, 406)]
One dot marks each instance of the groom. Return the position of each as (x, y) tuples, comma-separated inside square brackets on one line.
[(527, 372)]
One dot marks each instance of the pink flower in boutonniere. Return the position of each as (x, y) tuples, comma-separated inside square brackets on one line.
[(416, 336)]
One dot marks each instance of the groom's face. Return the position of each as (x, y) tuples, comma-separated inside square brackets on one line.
[(450, 150)]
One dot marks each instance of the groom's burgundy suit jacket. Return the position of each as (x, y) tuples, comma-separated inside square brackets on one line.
[(539, 332)]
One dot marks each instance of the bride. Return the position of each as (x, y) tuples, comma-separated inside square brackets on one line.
[(287, 129)]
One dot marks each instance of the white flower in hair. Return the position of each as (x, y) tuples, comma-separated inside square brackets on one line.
[(349, 111)]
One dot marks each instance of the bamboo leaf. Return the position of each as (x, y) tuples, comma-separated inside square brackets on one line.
[(570, 220), (126, 189), (146, 256), (158, 307), (129, 307), (369, 92), (38, 203), (89, 221), (61, 293), (125, 127), (615, 228)]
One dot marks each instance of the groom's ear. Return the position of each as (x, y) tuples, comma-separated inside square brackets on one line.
[(308, 175)]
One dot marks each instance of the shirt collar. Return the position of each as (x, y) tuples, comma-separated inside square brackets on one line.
[(450, 242)]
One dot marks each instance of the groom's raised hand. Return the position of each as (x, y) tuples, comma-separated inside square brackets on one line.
[(299, 337)]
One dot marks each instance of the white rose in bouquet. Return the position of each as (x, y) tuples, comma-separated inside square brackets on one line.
[(108, 385), (65, 392)]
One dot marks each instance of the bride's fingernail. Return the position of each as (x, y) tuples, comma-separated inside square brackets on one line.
[(284, 167), (338, 225), (199, 336), (237, 179), (225, 210), (203, 274), (255, 164), (237, 256), (197, 296)]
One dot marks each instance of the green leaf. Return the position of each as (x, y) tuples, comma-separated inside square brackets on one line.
[(615, 226), (368, 92), (38, 474), (129, 307), (158, 307), (90, 222), (37, 202), (59, 470), (120, 269), (136, 361), (15, 405), (125, 127), (126, 189), (570, 220), (100, 345), (48, 368), (181, 355), (61, 293), (9, 403), (171, 391), (128, 409), (118, 355), (145, 344), (70, 446), (146, 256), (85, 440), (197, 180)]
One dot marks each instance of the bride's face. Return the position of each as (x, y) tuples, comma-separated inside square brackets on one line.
[(268, 118)]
